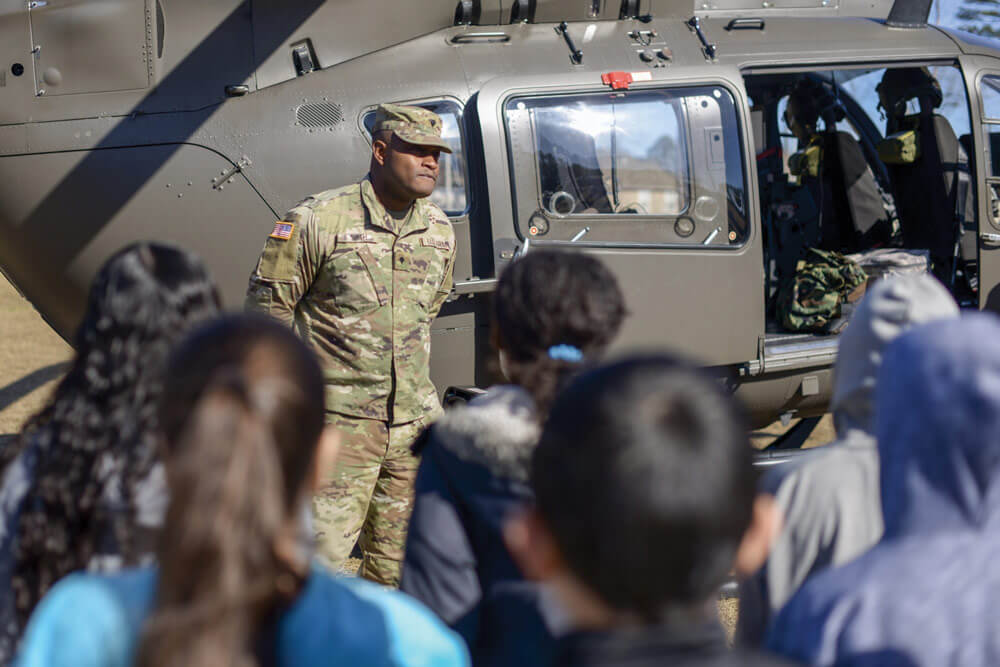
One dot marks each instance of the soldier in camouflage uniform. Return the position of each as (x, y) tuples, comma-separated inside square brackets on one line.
[(360, 272)]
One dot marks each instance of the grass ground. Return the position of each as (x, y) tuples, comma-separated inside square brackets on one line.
[(32, 359)]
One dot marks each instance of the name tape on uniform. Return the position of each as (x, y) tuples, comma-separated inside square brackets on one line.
[(435, 243), (355, 237)]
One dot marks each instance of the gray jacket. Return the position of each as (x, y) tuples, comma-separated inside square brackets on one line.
[(830, 502), (924, 594)]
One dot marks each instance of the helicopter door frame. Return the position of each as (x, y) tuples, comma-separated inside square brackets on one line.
[(987, 173), (668, 302)]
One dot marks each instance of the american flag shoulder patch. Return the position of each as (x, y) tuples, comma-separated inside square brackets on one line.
[(283, 230)]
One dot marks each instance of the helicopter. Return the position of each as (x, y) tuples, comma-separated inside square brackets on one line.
[(648, 133)]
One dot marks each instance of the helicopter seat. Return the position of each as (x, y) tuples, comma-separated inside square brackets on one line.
[(926, 180), (852, 214), (931, 180)]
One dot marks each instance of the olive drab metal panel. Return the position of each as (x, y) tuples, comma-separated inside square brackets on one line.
[(766, 8), (341, 30), (857, 41), (554, 11), (226, 225), (970, 44), (72, 52), (16, 79), (726, 5), (985, 93), (205, 48)]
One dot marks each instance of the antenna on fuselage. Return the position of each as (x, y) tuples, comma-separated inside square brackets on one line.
[(909, 14)]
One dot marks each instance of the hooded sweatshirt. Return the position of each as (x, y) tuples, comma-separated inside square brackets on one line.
[(925, 594), (473, 473), (830, 501)]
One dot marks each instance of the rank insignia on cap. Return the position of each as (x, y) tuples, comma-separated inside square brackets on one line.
[(283, 230)]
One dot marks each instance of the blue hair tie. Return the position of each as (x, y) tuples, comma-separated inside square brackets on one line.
[(565, 352)]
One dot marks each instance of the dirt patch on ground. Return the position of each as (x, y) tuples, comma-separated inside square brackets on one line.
[(32, 359), (822, 434), (729, 611)]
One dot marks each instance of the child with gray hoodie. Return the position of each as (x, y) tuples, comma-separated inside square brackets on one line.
[(924, 594), (830, 502)]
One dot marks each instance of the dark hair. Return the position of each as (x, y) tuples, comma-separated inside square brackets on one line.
[(242, 416), (550, 298), (97, 434), (643, 474), (808, 101)]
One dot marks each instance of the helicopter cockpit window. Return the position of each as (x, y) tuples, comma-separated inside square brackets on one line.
[(450, 193), (990, 92), (649, 166)]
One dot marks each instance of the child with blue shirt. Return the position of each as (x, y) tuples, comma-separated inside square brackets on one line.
[(243, 424)]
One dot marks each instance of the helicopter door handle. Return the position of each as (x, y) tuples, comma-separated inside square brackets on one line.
[(745, 24), (711, 50), (481, 38), (993, 239), (575, 54), (237, 91), (711, 236)]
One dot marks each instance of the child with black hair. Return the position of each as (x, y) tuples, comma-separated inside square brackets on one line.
[(84, 487), (245, 443), (645, 500), (553, 312)]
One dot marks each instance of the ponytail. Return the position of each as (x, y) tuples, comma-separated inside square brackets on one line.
[(553, 312), (220, 580), (543, 378)]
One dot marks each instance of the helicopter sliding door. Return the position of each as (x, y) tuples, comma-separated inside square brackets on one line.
[(654, 182)]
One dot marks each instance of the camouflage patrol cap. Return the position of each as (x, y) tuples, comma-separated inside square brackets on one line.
[(414, 125)]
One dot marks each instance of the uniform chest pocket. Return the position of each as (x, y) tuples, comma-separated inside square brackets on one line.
[(349, 283), (427, 265)]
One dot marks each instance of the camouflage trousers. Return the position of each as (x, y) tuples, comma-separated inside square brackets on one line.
[(368, 496)]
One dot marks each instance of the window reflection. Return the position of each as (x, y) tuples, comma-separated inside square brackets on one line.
[(990, 91), (652, 166), (993, 139), (600, 156), (450, 191)]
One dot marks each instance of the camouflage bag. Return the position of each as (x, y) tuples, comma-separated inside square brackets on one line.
[(812, 298)]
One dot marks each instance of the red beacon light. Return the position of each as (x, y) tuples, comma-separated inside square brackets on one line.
[(622, 80)]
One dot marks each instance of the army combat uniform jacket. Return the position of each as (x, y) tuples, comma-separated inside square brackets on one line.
[(362, 289)]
